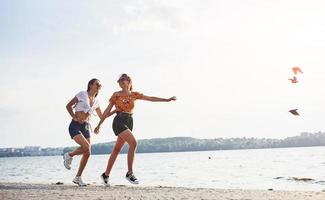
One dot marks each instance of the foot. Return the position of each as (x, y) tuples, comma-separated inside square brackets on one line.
[(77, 180), (105, 179), (67, 161), (131, 178)]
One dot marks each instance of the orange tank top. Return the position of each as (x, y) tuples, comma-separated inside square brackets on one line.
[(125, 103)]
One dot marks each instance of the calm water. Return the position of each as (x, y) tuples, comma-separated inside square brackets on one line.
[(236, 169)]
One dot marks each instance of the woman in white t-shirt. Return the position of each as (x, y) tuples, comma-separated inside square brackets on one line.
[(81, 107)]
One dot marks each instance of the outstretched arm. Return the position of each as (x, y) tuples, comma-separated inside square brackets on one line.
[(106, 114), (157, 99)]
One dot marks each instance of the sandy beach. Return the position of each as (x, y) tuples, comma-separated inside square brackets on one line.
[(16, 191)]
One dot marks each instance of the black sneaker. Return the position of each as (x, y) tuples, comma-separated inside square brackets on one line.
[(131, 178), (105, 179)]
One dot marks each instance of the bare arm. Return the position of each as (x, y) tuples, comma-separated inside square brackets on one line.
[(69, 107), (106, 114), (157, 99), (99, 113)]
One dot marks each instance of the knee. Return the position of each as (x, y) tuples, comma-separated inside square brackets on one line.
[(86, 150), (133, 145), (86, 153)]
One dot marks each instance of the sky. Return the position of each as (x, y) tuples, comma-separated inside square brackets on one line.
[(227, 61)]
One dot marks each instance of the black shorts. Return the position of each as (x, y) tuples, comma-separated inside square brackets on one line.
[(75, 128), (121, 122)]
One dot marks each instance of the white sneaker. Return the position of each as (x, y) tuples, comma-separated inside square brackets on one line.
[(77, 180), (67, 160)]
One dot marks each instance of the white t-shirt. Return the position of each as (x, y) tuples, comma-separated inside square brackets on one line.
[(83, 103)]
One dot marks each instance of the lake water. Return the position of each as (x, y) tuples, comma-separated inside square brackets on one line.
[(235, 169)]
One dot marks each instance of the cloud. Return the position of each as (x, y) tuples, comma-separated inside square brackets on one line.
[(151, 17)]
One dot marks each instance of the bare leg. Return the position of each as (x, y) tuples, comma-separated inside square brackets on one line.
[(85, 147), (77, 151), (128, 137), (116, 150)]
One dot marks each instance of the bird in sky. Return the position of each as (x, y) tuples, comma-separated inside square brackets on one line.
[(293, 79), (296, 70), (294, 112)]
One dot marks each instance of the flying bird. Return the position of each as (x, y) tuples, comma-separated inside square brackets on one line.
[(294, 112), (296, 70), (293, 80)]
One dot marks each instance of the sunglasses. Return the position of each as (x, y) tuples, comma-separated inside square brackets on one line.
[(98, 85), (123, 79)]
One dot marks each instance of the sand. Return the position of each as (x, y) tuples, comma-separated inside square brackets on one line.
[(27, 191)]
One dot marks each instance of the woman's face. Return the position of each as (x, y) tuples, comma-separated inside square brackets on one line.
[(96, 86), (124, 83)]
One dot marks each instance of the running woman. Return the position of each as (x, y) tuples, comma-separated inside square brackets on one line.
[(123, 123), (80, 108)]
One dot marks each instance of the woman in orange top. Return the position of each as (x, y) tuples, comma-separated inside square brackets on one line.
[(123, 124)]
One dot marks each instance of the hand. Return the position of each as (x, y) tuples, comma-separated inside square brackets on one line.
[(172, 98), (96, 131)]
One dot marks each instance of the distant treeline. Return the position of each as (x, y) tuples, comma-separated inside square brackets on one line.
[(179, 144)]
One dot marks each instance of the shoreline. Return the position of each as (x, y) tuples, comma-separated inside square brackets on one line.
[(166, 152), (36, 191)]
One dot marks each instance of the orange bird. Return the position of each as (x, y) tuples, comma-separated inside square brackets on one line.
[(296, 70), (293, 80), (294, 111)]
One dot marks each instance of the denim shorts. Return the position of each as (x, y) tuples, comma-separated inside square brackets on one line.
[(122, 122), (75, 128)]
